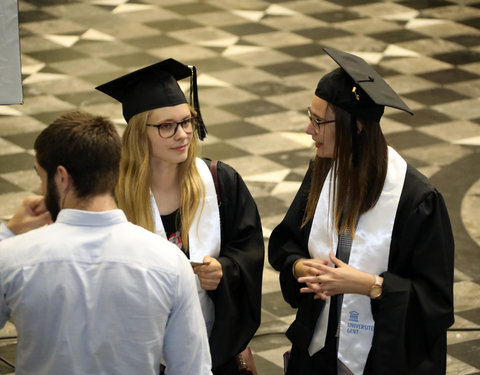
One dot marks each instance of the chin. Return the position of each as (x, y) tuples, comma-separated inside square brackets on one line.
[(181, 159), (323, 155)]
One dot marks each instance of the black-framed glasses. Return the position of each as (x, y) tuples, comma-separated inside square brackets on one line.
[(316, 120), (169, 129)]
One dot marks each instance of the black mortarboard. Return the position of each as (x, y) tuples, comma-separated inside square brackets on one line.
[(357, 88), (155, 86)]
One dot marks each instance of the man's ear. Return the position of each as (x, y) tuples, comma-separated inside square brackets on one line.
[(63, 179)]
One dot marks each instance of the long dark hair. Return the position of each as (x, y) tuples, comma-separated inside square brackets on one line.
[(357, 185)]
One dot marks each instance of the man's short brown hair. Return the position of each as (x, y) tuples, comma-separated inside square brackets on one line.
[(87, 146)]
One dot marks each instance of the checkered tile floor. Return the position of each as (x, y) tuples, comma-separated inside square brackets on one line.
[(259, 62)]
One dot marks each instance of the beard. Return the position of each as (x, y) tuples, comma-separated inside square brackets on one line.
[(52, 198)]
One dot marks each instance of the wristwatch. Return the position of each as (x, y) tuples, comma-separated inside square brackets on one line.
[(376, 288)]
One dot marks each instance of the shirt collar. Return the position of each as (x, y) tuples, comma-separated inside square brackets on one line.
[(91, 218)]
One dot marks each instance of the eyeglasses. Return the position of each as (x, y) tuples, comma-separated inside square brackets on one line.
[(169, 129), (316, 121)]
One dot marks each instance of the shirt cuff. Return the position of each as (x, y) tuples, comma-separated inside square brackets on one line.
[(5, 232)]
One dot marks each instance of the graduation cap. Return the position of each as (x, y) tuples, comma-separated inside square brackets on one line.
[(155, 86), (357, 88)]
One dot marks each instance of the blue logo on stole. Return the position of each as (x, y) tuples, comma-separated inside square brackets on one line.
[(354, 326), (353, 316)]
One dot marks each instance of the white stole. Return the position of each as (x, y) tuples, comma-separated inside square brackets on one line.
[(370, 252), (203, 236)]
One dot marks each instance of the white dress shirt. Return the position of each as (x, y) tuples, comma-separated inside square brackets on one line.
[(5, 232), (95, 294)]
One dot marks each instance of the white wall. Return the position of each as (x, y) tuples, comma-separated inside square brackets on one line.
[(10, 69)]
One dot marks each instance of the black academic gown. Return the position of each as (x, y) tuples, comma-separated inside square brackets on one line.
[(237, 298), (416, 308)]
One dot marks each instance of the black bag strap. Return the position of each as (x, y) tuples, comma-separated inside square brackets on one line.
[(213, 171)]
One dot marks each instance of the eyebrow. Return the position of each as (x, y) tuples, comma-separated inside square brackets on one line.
[(170, 120), (317, 116)]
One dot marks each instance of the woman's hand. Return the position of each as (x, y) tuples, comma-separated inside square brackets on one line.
[(209, 273), (330, 281), (304, 267)]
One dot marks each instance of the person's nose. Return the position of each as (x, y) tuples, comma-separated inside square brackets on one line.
[(310, 130), (180, 133)]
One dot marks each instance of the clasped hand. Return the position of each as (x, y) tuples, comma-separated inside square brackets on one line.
[(209, 273), (325, 280)]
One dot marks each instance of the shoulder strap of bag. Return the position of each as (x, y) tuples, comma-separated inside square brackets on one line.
[(213, 171)]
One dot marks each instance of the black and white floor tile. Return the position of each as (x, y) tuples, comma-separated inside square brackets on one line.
[(259, 61)]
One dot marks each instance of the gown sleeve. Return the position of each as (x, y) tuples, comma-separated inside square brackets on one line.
[(237, 298), (289, 242), (416, 307)]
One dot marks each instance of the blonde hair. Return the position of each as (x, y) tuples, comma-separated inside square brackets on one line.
[(133, 188)]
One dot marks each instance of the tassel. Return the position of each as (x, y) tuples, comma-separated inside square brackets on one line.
[(202, 130)]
